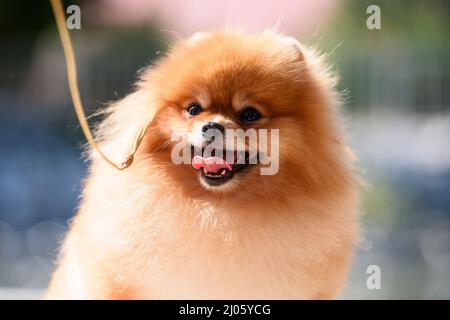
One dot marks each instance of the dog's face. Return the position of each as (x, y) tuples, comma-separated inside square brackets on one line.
[(215, 83)]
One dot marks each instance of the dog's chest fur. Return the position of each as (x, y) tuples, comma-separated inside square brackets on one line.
[(164, 248)]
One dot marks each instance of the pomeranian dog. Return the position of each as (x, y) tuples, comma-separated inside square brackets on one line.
[(214, 228)]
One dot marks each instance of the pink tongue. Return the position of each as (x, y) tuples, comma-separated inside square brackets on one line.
[(211, 164)]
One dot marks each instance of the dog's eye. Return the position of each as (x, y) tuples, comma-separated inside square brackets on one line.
[(249, 114), (194, 109)]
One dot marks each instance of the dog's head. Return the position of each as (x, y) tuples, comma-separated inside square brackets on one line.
[(232, 112)]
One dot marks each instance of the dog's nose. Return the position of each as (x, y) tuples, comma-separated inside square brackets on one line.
[(213, 125)]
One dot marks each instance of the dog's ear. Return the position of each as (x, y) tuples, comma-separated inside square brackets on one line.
[(124, 127), (294, 45), (197, 37)]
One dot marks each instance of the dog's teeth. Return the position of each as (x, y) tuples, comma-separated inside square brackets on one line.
[(223, 172)]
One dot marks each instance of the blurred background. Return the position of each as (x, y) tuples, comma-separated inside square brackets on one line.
[(396, 83)]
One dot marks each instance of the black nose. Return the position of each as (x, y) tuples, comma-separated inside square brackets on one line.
[(213, 125)]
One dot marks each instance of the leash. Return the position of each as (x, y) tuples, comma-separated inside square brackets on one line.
[(69, 55)]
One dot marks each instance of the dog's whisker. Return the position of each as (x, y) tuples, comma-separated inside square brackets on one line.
[(162, 146)]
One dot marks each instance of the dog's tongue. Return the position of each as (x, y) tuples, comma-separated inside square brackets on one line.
[(211, 164)]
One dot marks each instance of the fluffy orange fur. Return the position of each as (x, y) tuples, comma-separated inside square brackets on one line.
[(155, 231)]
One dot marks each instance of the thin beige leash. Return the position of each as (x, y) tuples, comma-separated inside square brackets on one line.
[(60, 18)]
